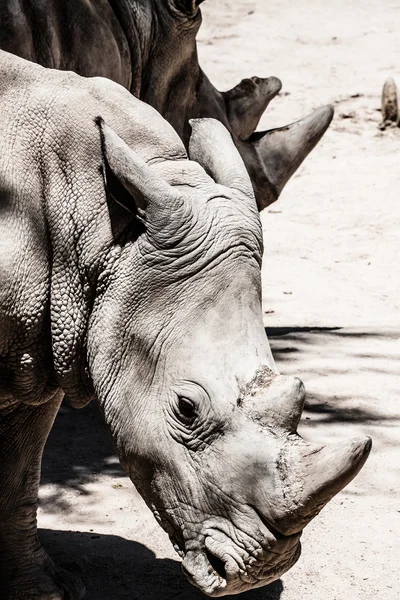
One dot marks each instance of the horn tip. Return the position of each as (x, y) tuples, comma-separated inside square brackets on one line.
[(277, 82), (207, 124), (329, 109), (358, 450), (315, 125), (329, 112), (364, 445), (275, 85), (323, 116)]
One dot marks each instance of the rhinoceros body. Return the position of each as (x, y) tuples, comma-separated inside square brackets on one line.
[(131, 273), (150, 48)]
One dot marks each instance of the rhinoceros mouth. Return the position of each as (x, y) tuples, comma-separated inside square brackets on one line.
[(220, 569)]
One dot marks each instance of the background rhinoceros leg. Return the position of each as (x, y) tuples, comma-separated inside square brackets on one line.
[(26, 571)]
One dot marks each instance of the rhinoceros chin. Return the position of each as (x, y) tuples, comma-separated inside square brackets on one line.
[(231, 565), (224, 567)]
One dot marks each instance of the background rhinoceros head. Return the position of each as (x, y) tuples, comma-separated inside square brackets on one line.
[(178, 88), (203, 423)]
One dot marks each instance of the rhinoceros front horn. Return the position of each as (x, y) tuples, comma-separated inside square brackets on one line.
[(282, 150), (319, 473), (309, 475)]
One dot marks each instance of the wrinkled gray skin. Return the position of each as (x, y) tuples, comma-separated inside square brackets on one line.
[(129, 272), (149, 47)]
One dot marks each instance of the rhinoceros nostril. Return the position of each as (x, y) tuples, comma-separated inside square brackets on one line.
[(217, 564), (186, 572)]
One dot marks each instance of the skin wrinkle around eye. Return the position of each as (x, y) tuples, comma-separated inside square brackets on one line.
[(204, 429)]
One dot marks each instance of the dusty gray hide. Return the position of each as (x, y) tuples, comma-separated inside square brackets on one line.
[(150, 48), (121, 260)]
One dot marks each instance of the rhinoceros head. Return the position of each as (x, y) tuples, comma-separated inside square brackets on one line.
[(182, 91), (203, 423)]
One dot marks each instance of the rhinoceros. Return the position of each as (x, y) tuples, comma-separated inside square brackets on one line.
[(131, 273), (150, 48)]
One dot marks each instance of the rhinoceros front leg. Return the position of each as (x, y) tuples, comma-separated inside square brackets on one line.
[(26, 571)]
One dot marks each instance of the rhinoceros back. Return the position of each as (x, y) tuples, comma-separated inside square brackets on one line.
[(75, 35)]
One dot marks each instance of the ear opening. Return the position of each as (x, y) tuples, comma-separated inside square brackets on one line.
[(126, 224), (189, 8), (116, 191)]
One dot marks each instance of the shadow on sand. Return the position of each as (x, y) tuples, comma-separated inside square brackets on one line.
[(79, 447), (139, 575), (292, 345)]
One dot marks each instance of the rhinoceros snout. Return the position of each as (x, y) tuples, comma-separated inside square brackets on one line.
[(223, 568)]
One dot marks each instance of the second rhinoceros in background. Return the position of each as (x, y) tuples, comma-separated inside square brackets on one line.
[(150, 48), (129, 272)]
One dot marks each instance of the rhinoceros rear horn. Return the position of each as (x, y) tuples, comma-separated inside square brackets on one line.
[(212, 147), (283, 150), (320, 474), (146, 189)]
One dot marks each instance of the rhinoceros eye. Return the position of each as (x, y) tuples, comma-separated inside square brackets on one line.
[(187, 410)]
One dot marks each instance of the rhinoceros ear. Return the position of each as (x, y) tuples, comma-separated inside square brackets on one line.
[(131, 182), (187, 7), (212, 147)]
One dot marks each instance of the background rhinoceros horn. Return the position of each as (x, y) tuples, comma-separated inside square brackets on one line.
[(282, 150), (247, 101), (211, 145)]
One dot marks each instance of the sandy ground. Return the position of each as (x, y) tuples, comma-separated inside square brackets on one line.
[(331, 298)]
